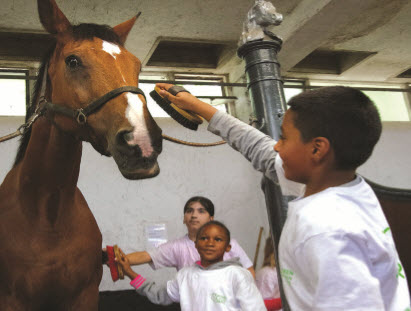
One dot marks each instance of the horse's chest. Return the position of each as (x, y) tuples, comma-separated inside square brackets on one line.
[(35, 259), (55, 275)]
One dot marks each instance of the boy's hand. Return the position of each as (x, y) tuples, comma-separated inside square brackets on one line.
[(188, 102), (125, 264)]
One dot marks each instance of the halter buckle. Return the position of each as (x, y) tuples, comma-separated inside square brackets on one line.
[(81, 117)]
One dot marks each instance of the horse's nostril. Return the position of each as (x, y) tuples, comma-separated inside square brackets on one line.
[(128, 137), (124, 137)]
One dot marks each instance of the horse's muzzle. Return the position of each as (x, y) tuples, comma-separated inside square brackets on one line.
[(141, 173), (136, 161)]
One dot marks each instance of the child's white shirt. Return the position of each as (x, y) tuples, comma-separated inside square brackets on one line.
[(223, 286), (337, 253), (228, 288)]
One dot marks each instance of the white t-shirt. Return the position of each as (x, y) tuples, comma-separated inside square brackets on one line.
[(231, 288), (335, 250), (337, 253), (267, 282), (182, 252)]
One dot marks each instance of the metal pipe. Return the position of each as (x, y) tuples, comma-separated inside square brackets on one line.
[(267, 97), (265, 85)]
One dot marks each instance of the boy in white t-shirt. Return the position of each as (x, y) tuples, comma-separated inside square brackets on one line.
[(211, 284), (336, 251)]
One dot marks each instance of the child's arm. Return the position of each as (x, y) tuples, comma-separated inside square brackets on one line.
[(155, 293), (138, 258), (253, 144)]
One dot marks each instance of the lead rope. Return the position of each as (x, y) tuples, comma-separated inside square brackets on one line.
[(183, 142), (24, 127)]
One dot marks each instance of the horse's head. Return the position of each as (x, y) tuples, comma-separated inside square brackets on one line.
[(88, 62)]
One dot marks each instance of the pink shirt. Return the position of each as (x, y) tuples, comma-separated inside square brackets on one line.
[(182, 252)]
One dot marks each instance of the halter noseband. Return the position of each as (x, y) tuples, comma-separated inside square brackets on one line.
[(80, 114)]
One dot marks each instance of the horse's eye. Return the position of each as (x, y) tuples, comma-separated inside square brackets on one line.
[(73, 62)]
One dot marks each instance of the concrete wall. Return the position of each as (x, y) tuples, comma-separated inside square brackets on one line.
[(124, 208)]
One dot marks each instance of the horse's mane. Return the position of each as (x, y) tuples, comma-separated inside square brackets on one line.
[(80, 32)]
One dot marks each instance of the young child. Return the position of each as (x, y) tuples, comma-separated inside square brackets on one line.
[(335, 251), (211, 284), (181, 252), (267, 279)]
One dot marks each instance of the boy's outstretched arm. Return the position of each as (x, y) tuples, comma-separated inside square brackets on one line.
[(155, 293), (253, 144)]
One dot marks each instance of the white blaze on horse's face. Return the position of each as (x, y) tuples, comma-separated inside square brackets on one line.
[(111, 48), (135, 115)]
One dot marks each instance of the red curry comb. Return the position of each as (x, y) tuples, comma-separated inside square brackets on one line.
[(116, 270)]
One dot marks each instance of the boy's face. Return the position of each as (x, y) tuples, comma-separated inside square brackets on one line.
[(293, 151), (196, 216), (211, 244)]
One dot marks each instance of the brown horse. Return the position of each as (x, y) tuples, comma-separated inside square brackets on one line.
[(50, 243)]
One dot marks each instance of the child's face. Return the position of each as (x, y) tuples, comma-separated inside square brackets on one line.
[(196, 216), (211, 244), (293, 151)]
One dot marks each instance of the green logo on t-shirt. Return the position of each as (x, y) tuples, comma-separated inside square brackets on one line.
[(218, 298), (287, 275), (400, 273)]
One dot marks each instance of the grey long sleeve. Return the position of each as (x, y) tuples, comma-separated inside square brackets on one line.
[(157, 294), (254, 145)]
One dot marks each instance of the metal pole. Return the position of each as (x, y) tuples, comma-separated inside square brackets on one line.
[(267, 97)]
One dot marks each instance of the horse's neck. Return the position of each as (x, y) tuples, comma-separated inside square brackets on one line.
[(51, 162)]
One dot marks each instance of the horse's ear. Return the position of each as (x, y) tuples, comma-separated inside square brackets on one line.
[(123, 29), (52, 18)]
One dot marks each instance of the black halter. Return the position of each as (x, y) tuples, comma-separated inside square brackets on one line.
[(80, 114)]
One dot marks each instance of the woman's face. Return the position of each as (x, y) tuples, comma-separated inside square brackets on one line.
[(195, 216)]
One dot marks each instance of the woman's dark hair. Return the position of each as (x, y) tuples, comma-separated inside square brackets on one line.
[(215, 223), (206, 203), (343, 115)]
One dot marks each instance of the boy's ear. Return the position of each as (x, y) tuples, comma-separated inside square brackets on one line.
[(228, 248), (320, 148)]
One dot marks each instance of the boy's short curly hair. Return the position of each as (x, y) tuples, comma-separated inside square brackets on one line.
[(343, 115), (215, 223)]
